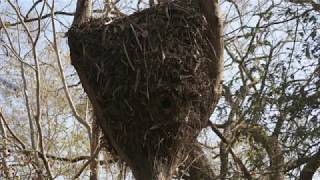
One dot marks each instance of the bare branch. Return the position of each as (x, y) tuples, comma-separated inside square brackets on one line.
[(62, 76), (272, 147), (236, 159), (93, 156), (32, 7), (26, 20), (314, 4), (38, 80), (311, 167), (11, 132), (3, 151)]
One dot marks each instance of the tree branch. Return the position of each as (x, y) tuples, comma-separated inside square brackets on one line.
[(62, 76), (272, 147), (11, 132), (315, 5), (93, 156), (310, 168), (236, 159), (38, 80), (26, 20)]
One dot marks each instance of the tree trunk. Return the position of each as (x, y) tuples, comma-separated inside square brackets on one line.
[(83, 12)]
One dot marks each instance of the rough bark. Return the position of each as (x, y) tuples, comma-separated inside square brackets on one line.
[(93, 145), (211, 10), (83, 12)]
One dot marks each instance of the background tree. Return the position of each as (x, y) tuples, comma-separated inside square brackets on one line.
[(266, 125)]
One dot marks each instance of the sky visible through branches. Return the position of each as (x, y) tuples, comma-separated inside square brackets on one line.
[(271, 90)]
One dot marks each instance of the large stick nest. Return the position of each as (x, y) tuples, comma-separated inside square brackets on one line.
[(149, 76)]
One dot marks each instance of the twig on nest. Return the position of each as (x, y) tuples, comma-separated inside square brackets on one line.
[(128, 57), (135, 35)]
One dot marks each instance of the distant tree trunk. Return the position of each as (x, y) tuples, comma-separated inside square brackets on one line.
[(94, 166)]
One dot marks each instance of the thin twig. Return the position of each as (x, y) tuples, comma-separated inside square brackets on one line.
[(38, 80), (62, 76), (25, 20), (128, 57), (11, 132), (4, 150), (12, 47), (136, 36), (93, 156), (236, 159)]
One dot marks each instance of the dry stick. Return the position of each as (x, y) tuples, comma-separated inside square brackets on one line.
[(62, 76), (51, 156), (11, 47), (4, 156), (314, 4), (15, 137), (26, 20), (11, 132), (111, 7), (93, 156), (26, 96), (236, 159), (128, 57), (75, 159), (38, 81), (33, 6), (22, 63), (67, 159), (136, 36), (13, 51)]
